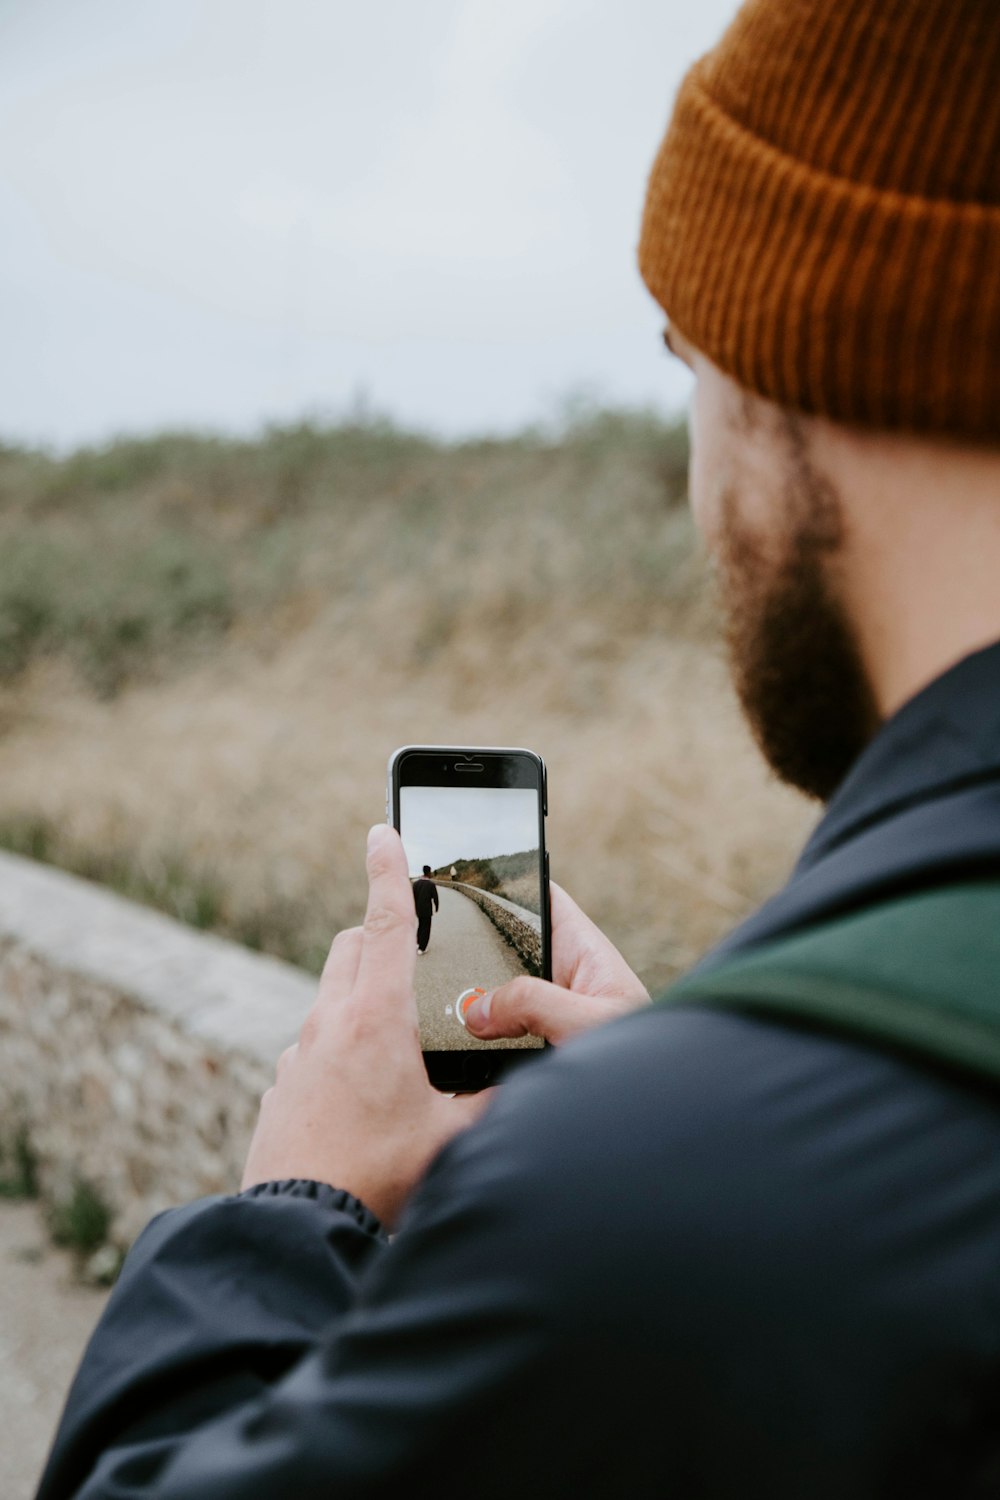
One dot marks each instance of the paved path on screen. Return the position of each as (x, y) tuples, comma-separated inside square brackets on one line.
[(465, 950)]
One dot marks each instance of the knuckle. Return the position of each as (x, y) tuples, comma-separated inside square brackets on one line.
[(340, 950), (383, 919), (359, 1028), (345, 937), (378, 863), (517, 996), (514, 1004), (285, 1059), (310, 1030)]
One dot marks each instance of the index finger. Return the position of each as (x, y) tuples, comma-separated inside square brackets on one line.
[(388, 944)]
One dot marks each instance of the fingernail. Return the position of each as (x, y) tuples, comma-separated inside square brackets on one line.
[(375, 833), (477, 1012)]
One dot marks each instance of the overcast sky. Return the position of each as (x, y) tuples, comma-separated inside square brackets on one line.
[(442, 824), (223, 212)]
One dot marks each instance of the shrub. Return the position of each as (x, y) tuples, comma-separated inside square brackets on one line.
[(18, 1167), (81, 1222)]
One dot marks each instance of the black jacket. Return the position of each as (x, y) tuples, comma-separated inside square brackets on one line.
[(692, 1254), (425, 895)]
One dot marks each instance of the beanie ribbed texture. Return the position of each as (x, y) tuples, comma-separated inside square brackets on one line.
[(823, 217)]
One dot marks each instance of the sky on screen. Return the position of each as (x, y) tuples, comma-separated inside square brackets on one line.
[(217, 213), (441, 824)]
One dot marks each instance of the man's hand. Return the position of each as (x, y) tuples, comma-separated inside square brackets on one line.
[(352, 1104), (592, 984)]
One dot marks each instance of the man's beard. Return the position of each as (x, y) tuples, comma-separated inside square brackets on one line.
[(794, 659)]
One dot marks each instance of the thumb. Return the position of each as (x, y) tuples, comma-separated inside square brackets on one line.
[(537, 1008)]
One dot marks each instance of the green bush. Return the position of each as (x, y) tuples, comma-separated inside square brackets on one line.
[(81, 1222), (136, 556), (18, 1166), (107, 608)]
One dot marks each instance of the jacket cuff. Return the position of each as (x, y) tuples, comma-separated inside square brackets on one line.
[(334, 1199)]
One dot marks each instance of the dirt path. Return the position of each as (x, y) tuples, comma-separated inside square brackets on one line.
[(465, 950), (45, 1321)]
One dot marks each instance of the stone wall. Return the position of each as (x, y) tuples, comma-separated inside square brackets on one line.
[(133, 1050)]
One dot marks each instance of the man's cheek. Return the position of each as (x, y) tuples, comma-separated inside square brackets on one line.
[(707, 466), (707, 488)]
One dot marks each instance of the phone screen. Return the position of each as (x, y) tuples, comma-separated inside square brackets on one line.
[(476, 867)]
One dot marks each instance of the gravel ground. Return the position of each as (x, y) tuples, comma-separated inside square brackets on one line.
[(45, 1321), (465, 949)]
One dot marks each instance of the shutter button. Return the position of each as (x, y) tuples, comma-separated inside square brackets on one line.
[(464, 1000)]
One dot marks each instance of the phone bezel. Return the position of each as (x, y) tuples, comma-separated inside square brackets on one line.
[(458, 1070)]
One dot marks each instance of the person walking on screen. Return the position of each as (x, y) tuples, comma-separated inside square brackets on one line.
[(425, 898)]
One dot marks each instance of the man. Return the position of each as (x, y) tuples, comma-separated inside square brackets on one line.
[(746, 1242), (425, 899)]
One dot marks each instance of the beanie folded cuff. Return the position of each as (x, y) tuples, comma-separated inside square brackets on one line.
[(824, 294)]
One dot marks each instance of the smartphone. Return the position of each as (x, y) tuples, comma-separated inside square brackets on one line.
[(472, 821)]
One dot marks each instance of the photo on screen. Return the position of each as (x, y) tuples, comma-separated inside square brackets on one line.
[(475, 867)]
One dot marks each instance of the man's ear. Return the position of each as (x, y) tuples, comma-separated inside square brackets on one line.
[(678, 345)]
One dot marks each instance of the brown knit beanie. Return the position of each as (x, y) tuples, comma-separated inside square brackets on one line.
[(823, 217)]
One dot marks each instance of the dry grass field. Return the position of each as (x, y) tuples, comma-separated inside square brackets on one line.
[(208, 650)]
